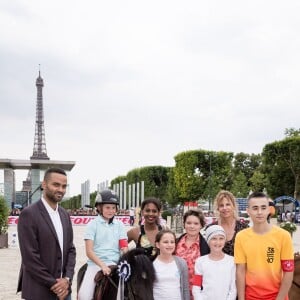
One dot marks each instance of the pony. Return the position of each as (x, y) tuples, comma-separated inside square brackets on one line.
[(131, 279), (294, 292), (139, 285)]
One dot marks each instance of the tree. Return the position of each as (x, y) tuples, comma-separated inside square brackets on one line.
[(73, 202), (282, 166), (292, 132), (240, 186), (201, 173), (258, 181), (118, 179), (155, 180), (247, 164), (4, 213), (172, 195), (93, 198), (189, 175)]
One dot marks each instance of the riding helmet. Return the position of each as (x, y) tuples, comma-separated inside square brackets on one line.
[(107, 197)]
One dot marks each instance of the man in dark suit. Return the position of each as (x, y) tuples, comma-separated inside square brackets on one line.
[(46, 243)]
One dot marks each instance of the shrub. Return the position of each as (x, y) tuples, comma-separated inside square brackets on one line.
[(4, 212), (288, 226)]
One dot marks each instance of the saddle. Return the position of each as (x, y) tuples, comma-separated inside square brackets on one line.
[(80, 275)]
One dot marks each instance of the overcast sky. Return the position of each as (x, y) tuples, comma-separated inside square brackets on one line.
[(132, 83)]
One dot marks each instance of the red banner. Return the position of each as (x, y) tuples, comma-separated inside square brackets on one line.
[(76, 220), (13, 220)]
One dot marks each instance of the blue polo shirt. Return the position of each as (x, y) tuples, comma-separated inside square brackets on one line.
[(106, 239)]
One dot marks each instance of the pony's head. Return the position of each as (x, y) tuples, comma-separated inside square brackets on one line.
[(139, 285)]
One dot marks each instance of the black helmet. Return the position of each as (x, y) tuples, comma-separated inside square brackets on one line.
[(107, 197)]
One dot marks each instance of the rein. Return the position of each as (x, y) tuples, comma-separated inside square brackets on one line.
[(296, 284), (112, 282)]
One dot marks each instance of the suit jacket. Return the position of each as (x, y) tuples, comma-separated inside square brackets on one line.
[(42, 260)]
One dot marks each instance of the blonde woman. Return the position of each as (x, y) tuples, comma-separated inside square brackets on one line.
[(227, 216)]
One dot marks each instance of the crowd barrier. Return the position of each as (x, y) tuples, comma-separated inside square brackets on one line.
[(76, 220)]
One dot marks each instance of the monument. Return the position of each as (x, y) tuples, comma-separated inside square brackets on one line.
[(38, 162)]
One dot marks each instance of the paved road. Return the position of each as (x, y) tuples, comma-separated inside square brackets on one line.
[(10, 262)]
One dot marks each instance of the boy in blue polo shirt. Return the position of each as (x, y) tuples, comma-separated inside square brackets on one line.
[(105, 239)]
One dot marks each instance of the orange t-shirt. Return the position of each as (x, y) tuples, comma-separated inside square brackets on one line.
[(265, 257)]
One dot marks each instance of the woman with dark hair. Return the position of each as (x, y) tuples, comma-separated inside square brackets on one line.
[(192, 244), (144, 235)]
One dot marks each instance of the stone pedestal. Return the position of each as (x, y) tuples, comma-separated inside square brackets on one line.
[(4, 240)]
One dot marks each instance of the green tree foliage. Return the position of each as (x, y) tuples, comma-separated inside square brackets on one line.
[(189, 175), (155, 180), (4, 212), (134, 176), (247, 164), (244, 167), (118, 180), (240, 186), (93, 198), (172, 195), (292, 132), (282, 166), (258, 181), (201, 173), (72, 203)]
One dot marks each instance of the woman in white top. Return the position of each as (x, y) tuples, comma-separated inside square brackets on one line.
[(171, 271), (215, 272)]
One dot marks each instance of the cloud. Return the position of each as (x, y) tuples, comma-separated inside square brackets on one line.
[(129, 84)]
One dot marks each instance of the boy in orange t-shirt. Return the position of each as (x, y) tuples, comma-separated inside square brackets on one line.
[(264, 255)]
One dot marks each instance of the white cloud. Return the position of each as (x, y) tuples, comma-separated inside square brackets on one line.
[(132, 83)]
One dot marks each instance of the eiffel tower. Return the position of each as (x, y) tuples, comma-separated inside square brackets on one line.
[(38, 163), (39, 148)]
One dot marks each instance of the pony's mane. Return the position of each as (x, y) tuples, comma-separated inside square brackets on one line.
[(140, 283)]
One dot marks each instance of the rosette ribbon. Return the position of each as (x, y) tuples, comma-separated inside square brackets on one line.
[(124, 271)]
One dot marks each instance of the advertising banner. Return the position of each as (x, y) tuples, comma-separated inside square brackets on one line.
[(76, 220)]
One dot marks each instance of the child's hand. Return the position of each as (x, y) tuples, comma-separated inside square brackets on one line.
[(106, 270)]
